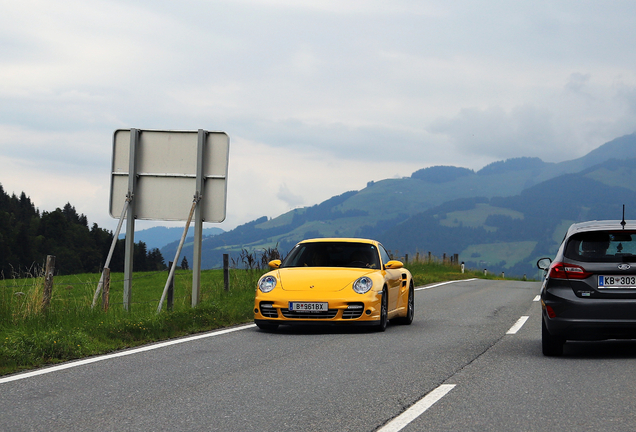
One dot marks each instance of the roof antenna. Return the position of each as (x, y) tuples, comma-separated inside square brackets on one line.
[(623, 221)]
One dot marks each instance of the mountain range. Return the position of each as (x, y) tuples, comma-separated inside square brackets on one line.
[(502, 217), (159, 236)]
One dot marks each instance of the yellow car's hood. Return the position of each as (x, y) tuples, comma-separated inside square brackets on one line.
[(319, 279)]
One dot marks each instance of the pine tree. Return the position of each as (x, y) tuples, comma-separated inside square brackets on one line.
[(184, 264), (27, 237)]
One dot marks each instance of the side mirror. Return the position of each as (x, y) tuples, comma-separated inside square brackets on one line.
[(394, 264), (274, 264), (544, 263)]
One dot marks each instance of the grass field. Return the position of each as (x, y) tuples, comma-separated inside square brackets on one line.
[(31, 336)]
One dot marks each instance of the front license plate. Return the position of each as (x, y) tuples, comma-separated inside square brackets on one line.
[(616, 281), (309, 306)]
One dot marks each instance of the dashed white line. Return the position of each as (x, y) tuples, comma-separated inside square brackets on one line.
[(121, 354), (444, 283), (520, 322), (417, 409), (537, 298)]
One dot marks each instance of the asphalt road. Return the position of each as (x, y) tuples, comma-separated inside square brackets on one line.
[(322, 379)]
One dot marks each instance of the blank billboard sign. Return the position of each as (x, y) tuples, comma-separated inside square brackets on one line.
[(166, 165)]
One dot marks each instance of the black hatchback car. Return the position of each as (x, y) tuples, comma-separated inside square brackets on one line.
[(589, 292)]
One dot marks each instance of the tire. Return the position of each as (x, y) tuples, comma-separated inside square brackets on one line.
[(552, 345), (384, 311), (410, 309), (263, 325)]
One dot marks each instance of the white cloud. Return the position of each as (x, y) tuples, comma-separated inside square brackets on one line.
[(317, 97), (267, 182), (290, 198)]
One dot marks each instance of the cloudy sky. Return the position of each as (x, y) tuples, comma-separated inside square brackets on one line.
[(318, 97)]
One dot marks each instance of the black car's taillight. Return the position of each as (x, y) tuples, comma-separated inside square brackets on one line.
[(559, 270)]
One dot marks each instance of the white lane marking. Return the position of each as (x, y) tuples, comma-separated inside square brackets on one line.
[(417, 410), (520, 322), (73, 364), (537, 298), (444, 283)]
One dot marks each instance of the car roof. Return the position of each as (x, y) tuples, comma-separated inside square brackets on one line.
[(340, 240), (600, 225)]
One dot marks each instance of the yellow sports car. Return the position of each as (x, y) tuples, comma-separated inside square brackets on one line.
[(335, 281)]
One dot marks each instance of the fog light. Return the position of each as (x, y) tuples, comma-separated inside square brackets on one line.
[(255, 310), (368, 312)]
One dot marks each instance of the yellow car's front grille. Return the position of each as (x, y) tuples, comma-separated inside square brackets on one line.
[(331, 313)]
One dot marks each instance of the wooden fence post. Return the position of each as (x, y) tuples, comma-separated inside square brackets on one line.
[(170, 293), (226, 272), (106, 290), (48, 281)]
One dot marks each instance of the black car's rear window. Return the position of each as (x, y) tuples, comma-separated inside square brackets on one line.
[(602, 246), (333, 254)]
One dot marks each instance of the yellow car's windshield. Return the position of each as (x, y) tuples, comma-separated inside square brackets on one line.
[(333, 254)]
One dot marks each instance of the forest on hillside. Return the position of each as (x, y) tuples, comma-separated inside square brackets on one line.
[(27, 236)]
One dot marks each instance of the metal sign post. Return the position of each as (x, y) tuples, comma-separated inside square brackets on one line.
[(160, 171), (198, 221), (130, 218)]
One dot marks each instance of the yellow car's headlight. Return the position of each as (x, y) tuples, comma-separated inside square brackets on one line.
[(267, 283), (362, 285)]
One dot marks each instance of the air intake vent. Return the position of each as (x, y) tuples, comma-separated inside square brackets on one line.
[(353, 311), (268, 310)]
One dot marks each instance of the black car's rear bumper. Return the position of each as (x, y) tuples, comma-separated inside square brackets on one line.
[(572, 329), (586, 318)]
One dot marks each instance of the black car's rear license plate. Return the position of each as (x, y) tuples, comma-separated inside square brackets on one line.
[(616, 281)]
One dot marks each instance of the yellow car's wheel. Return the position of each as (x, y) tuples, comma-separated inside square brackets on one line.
[(410, 309), (384, 311)]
